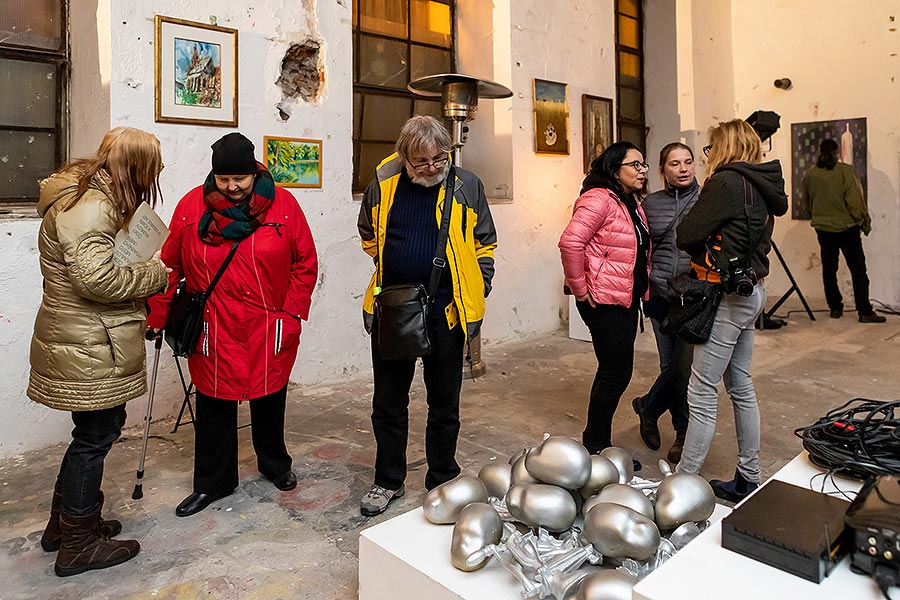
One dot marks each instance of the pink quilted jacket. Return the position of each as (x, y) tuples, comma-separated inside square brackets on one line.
[(598, 248)]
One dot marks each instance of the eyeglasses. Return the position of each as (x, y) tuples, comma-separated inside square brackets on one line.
[(637, 166), (437, 164), (706, 150)]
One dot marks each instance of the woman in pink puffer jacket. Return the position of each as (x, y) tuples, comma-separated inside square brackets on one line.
[(605, 253)]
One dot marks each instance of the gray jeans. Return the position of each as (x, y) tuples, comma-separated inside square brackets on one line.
[(726, 356)]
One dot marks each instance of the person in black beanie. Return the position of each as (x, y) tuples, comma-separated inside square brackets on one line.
[(252, 320)]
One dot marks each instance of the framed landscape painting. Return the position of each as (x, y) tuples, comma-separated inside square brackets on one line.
[(551, 117), (596, 126), (294, 162), (196, 78)]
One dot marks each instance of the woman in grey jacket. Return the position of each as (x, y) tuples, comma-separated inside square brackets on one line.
[(664, 210)]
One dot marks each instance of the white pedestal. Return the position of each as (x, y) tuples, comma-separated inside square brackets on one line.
[(704, 570), (577, 329)]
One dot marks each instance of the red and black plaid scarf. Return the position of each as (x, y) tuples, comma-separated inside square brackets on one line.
[(225, 220)]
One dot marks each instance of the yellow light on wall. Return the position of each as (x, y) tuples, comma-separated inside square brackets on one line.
[(439, 18)]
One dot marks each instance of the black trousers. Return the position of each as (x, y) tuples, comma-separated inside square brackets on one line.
[(81, 470), (390, 408), (613, 329), (849, 242), (669, 391), (216, 440)]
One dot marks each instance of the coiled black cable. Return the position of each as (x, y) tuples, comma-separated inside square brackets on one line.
[(860, 439)]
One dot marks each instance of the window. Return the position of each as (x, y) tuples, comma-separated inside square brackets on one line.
[(33, 75), (394, 42), (630, 72)]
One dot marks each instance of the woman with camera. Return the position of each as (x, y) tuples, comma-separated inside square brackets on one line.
[(605, 253), (665, 209), (728, 234)]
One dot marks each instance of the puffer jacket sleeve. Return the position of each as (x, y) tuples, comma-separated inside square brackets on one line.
[(87, 238), (587, 216), (304, 266), (485, 238), (171, 255), (364, 224)]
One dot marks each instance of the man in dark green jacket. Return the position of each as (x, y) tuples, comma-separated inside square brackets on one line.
[(835, 200)]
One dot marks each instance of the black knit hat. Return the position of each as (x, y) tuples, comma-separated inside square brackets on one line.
[(233, 155)]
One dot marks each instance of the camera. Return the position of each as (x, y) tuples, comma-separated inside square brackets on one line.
[(737, 279)]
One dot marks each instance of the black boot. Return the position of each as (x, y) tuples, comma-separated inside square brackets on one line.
[(677, 448), (649, 430), (50, 539), (735, 490)]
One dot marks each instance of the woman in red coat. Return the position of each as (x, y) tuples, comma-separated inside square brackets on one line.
[(252, 321)]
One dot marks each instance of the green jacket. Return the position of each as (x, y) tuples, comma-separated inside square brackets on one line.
[(835, 199), (470, 243), (87, 352)]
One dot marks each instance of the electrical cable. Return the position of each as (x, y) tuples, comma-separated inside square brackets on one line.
[(860, 439)]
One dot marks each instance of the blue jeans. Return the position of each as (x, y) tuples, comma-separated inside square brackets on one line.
[(726, 355), (669, 391)]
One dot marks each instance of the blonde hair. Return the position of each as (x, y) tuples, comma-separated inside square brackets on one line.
[(734, 141), (129, 160)]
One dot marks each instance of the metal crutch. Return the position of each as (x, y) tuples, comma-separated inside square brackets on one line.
[(138, 492)]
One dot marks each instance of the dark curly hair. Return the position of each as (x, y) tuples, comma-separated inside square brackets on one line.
[(828, 154)]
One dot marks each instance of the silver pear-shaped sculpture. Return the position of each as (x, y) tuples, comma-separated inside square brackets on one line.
[(607, 584), (683, 498), (542, 505), (443, 504), (519, 473), (622, 460), (617, 531), (625, 495), (603, 473), (561, 461), (496, 478), (477, 526)]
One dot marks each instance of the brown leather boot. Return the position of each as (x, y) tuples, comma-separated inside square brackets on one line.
[(50, 539), (84, 548)]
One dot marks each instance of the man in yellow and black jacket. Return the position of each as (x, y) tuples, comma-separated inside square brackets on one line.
[(399, 221)]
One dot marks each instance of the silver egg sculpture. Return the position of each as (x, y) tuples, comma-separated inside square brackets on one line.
[(477, 526), (443, 504), (622, 460), (625, 495), (561, 461), (603, 472), (496, 478), (683, 498), (608, 584), (617, 531), (519, 473), (542, 505)]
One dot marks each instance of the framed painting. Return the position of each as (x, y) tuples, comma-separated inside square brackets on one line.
[(596, 126), (294, 162), (196, 79), (551, 117)]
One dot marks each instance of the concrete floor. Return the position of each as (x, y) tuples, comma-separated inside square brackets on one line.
[(263, 544)]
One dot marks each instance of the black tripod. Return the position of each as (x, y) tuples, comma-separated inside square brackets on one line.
[(766, 317)]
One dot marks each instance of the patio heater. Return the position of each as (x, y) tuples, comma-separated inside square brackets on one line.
[(459, 103)]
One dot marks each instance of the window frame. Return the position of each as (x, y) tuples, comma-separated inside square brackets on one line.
[(640, 89), (60, 58), (363, 90)]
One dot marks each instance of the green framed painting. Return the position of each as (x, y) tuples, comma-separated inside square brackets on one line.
[(294, 162)]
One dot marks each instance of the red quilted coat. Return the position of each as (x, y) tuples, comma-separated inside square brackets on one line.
[(251, 330)]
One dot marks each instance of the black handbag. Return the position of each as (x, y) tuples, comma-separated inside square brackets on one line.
[(184, 322), (401, 311), (694, 311)]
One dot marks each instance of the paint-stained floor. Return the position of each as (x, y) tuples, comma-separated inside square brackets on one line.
[(260, 543)]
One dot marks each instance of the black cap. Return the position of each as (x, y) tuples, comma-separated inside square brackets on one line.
[(233, 155)]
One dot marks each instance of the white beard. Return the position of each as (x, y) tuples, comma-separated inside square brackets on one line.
[(428, 181)]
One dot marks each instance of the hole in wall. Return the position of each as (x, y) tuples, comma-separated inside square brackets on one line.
[(300, 77)]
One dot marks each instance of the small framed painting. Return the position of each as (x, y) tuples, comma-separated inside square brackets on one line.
[(196, 79), (596, 126), (294, 162), (551, 117)]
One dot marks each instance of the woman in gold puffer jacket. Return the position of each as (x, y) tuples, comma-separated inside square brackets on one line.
[(87, 353)]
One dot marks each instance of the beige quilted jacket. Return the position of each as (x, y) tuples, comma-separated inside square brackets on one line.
[(87, 352)]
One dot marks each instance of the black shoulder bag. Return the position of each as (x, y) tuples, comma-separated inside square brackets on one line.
[(401, 311), (185, 320)]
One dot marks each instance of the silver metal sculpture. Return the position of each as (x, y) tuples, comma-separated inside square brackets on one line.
[(496, 478), (603, 472), (519, 473), (560, 461), (625, 495), (542, 505), (477, 526), (622, 460), (620, 532), (607, 584), (683, 498), (443, 504)]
